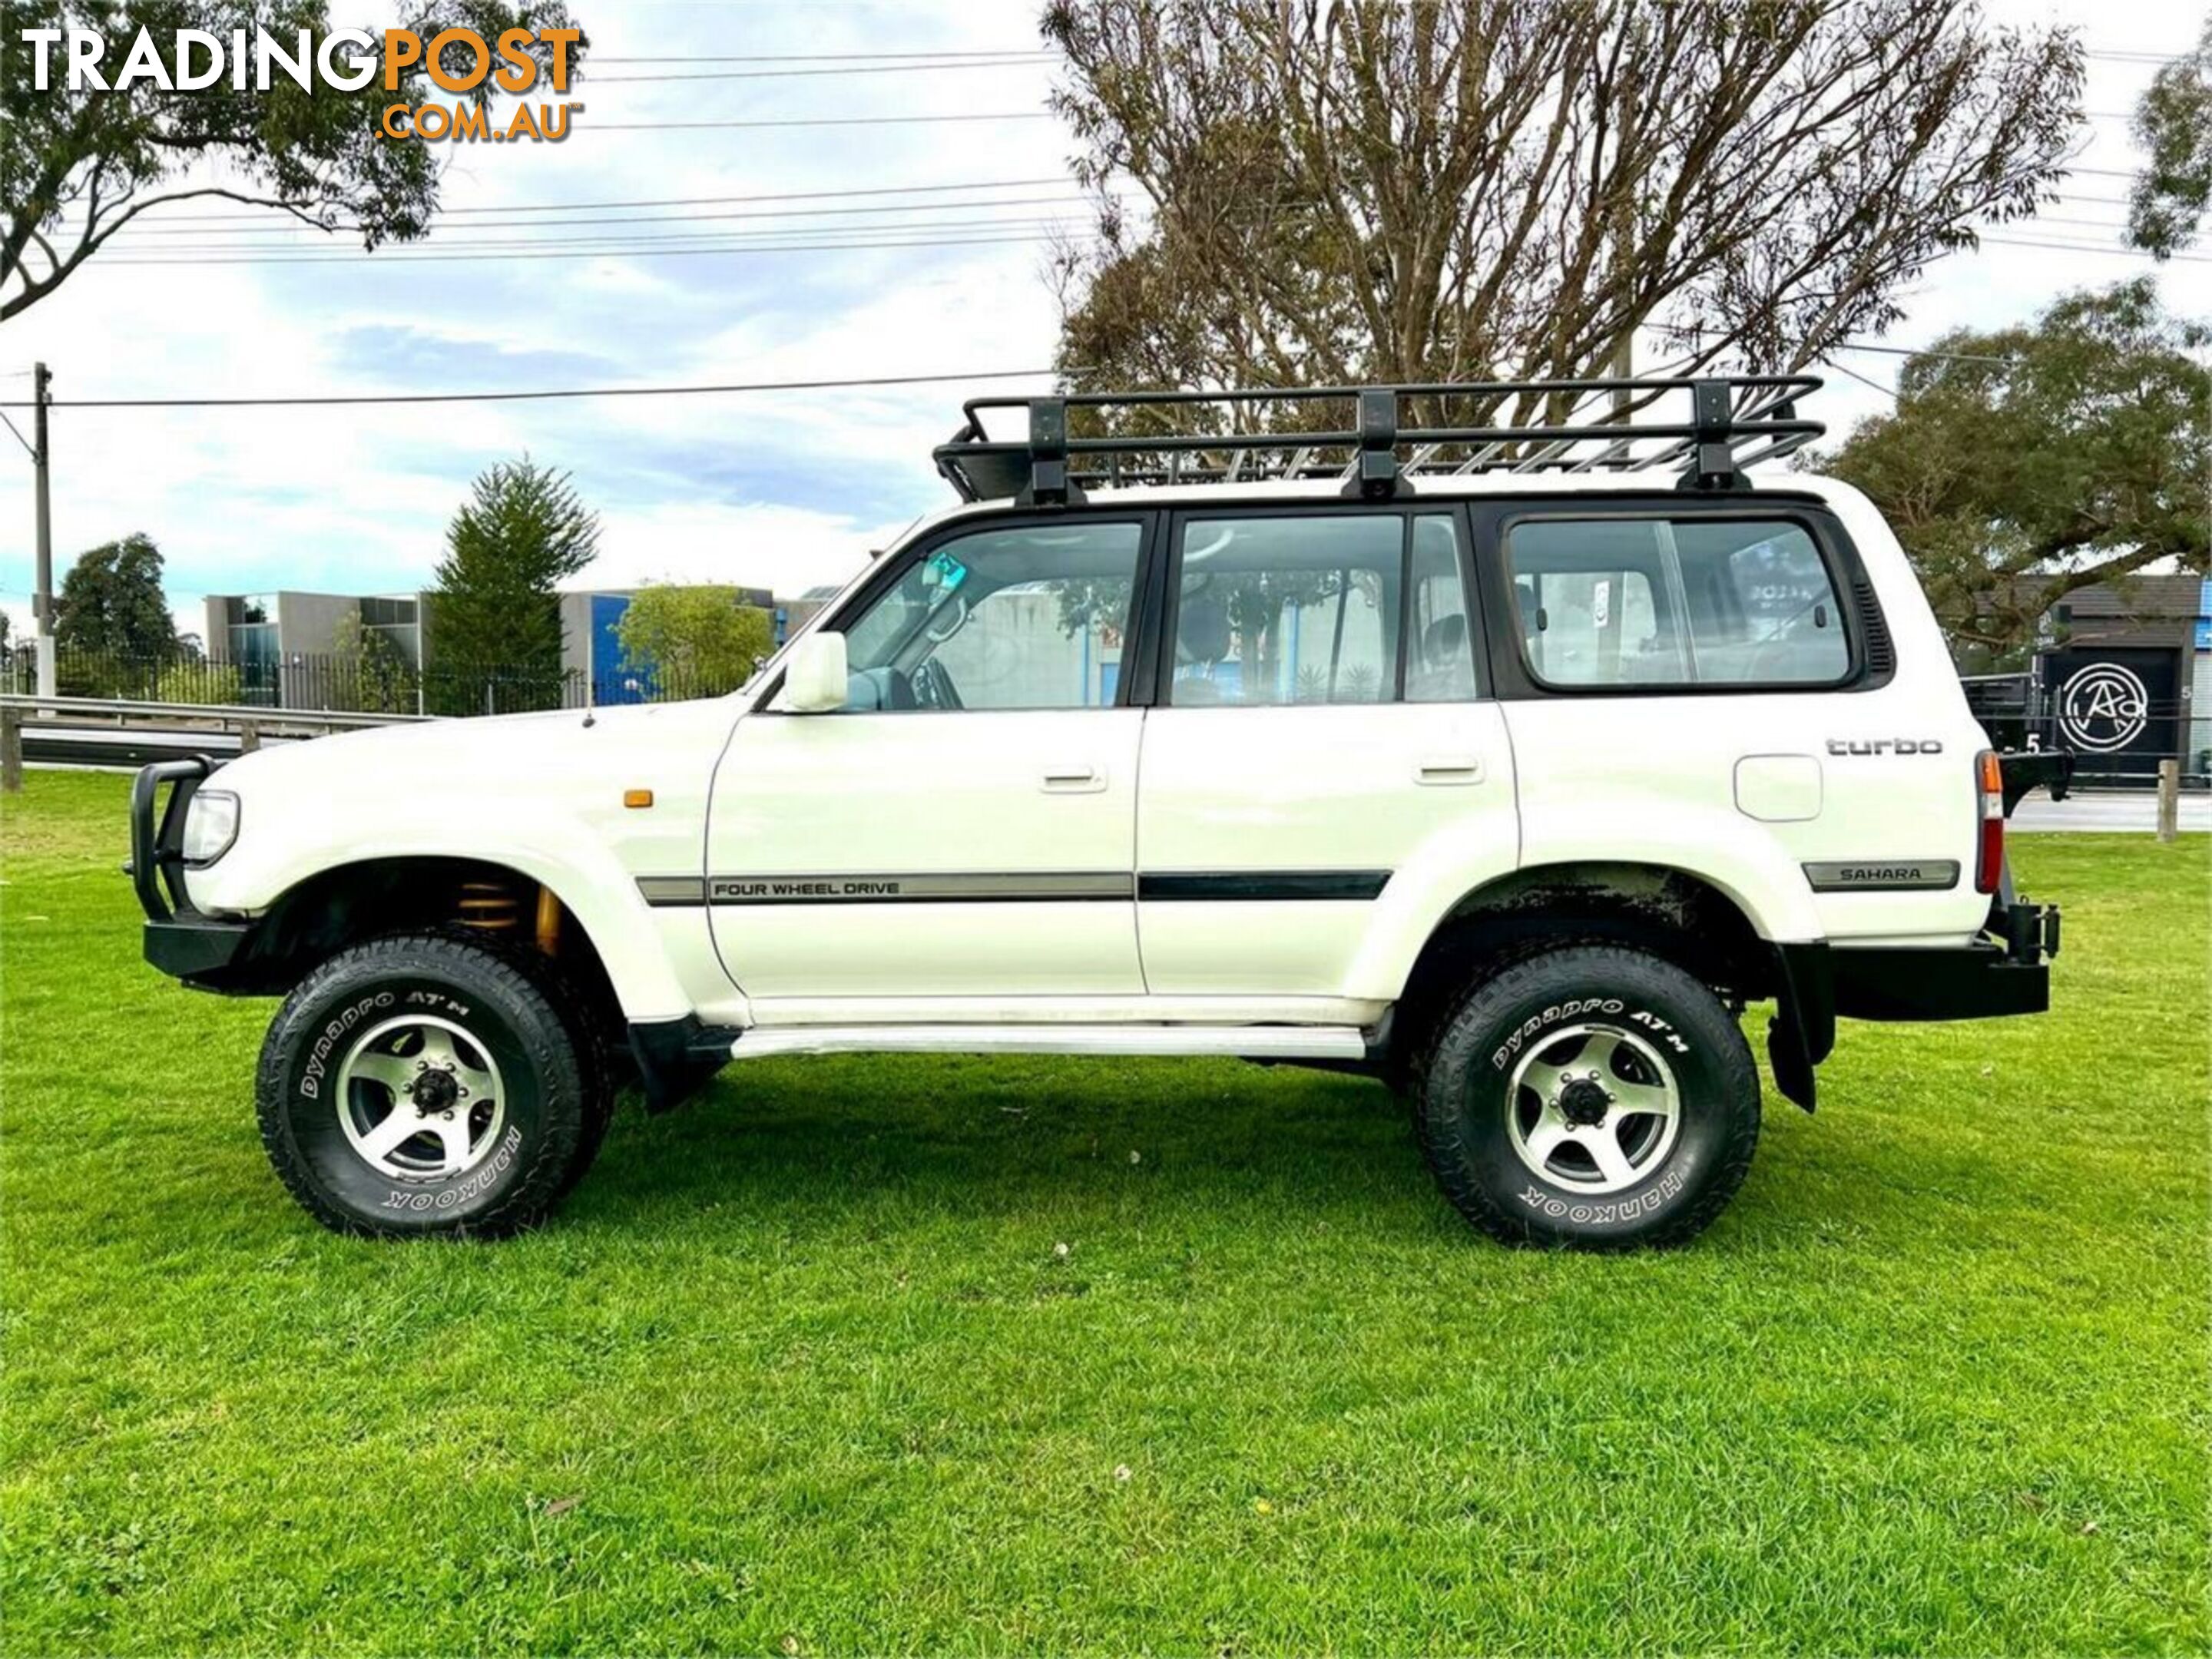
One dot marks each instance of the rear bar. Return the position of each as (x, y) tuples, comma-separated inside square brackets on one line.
[(2024, 769)]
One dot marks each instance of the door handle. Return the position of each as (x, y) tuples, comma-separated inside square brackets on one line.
[(1445, 770), (1073, 779)]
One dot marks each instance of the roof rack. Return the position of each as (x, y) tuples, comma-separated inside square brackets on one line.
[(1732, 423)]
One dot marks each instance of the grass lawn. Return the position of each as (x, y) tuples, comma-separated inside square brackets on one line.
[(886, 1354)]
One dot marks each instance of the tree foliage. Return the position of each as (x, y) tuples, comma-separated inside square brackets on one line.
[(76, 167), (382, 680), (2023, 464), (494, 617), (695, 642), (2174, 127), (111, 603), (1469, 189), (194, 681)]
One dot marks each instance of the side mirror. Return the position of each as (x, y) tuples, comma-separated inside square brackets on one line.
[(814, 679)]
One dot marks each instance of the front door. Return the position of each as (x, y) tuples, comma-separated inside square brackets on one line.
[(1320, 735), (966, 826)]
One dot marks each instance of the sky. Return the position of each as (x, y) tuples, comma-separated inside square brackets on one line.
[(788, 491)]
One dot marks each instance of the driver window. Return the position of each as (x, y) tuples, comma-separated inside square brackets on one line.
[(1003, 619)]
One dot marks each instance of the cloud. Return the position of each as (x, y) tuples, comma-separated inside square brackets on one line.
[(357, 499), (787, 489), (787, 549)]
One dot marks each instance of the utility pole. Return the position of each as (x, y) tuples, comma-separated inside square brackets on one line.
[(42, 603), (1622, 366)]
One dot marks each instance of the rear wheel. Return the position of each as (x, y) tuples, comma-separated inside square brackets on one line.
[(427, 1085), (1592, 1096)]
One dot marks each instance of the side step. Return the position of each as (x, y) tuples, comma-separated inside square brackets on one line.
[(1342, 1043)]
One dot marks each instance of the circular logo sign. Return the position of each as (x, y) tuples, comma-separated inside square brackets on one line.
[(2103, 708)]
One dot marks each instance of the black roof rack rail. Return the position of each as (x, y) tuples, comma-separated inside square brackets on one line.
[(1731, 423)]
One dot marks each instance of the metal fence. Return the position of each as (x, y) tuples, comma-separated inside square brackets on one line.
[(365, 684), (2019, 712)]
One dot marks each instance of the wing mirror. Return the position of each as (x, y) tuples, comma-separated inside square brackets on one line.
[(815, 677)]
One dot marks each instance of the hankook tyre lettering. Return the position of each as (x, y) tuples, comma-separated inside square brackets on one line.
[(459, 1104), (1627, 1114), (1518, 790)]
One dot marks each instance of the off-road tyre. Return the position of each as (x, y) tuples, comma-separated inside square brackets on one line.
[(595, 1057), (498, 1010), (1466, 1104)]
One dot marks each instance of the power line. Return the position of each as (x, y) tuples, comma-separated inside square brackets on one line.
[(672, 201), (818, 121), (839, 235), (1922, 351), (299, 231), (1038, 61), (2092, 247), (357, 398), (1846, 369), (192, 225), (2046, 219), (824, 56), (612, 253), (256, 220), (620, 243)]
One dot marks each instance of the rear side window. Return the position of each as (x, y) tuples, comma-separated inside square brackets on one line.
[(1334, 607), (1625, 601)]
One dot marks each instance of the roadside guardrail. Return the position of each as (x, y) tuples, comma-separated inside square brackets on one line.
[(117, 731)]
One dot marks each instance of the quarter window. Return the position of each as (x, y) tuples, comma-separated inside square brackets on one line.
[(1331, 608), (1661, 602), (1033, 617)]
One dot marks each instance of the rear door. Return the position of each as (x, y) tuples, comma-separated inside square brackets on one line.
[(1320, 722)]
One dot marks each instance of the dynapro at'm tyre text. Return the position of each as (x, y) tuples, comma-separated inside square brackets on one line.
[(1591, 1096), (427, 1085)]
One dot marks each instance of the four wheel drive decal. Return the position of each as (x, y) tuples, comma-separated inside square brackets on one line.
[(1041, 887), (1892, 876)]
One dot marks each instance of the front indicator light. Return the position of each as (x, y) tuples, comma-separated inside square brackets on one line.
[(210, 826)]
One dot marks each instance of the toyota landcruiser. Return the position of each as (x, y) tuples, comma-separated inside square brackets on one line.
[(1503, 759)]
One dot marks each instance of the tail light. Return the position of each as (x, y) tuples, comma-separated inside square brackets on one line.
[(1988, 862)]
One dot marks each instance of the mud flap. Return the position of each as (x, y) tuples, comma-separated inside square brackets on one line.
[(1802, 1032)]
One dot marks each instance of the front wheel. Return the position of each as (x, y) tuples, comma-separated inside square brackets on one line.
[(1593, 1096), (425, 1084)]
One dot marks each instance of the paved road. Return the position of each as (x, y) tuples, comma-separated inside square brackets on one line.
[(2135, 809)]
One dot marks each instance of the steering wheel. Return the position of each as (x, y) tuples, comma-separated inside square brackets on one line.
[(933, 687)]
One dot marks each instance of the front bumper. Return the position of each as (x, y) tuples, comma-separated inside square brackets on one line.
[(179, 940)]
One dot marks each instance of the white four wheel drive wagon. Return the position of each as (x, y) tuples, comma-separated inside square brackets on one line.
[(1411, 730)]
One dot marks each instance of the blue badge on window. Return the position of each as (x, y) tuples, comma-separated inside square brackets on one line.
[(943, 570)]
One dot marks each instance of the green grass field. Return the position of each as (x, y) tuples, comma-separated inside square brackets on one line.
[(880, 1355)]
